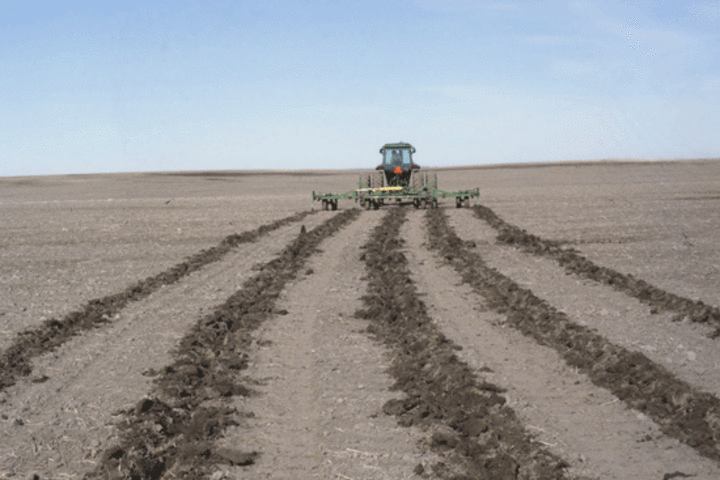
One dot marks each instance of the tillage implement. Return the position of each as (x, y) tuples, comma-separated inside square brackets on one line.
[(397, 179)]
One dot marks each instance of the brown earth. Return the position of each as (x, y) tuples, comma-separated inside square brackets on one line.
[(174, 325)]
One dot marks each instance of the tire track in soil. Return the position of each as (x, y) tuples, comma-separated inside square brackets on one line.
[(471, 425), (171, 433), (574, 262), (15, 360), (682, 412), (322, 382), (67, 419), (583, 423)]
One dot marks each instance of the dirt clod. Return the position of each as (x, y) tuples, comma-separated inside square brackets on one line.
[(234, 457)]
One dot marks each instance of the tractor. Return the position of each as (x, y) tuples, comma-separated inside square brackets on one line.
[(397, 178)]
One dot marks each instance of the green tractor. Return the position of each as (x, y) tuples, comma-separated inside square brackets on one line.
[(397, 164), (397, 169), (397, 178)]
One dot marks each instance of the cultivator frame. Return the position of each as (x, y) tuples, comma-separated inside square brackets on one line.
[(397, 178), (424, 196)]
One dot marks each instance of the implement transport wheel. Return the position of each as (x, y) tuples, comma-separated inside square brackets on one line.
[(416, 202), (462, 201)]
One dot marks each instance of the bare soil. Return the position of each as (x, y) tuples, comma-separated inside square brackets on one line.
[(207, 325), (598, 435)]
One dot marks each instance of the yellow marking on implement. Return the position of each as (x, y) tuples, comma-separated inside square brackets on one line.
[(381, 189)]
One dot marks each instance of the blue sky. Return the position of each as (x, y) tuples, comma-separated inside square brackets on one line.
[(149, 86)]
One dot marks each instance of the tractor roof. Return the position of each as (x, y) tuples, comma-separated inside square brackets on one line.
[(397, 145)]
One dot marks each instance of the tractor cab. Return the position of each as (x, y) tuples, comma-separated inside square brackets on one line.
[(397, 163)]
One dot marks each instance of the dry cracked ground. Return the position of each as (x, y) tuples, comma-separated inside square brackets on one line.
[(211, 325)]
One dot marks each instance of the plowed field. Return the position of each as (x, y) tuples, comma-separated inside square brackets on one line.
[(210, 325)]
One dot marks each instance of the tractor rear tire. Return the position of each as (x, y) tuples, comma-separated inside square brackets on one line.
[(365, 180), (432, 178), (376, 179), (417, 181)]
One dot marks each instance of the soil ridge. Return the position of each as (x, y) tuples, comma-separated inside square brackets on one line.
[(471, 423), (574, 262), (681, 410), (172, 431), (15, 360)]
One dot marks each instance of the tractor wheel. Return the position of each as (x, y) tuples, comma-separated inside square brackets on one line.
[(365, 179), (433, 178), (417, 181), (376, 179)]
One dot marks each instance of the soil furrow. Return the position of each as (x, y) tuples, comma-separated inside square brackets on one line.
[(15, 360), (683, 412), (322, 382), (172, 431), (682, 348), (574, 262), (582, 423), (66, 407), (469, 421)]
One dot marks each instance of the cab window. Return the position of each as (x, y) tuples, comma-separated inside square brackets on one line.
[(397, 156)]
